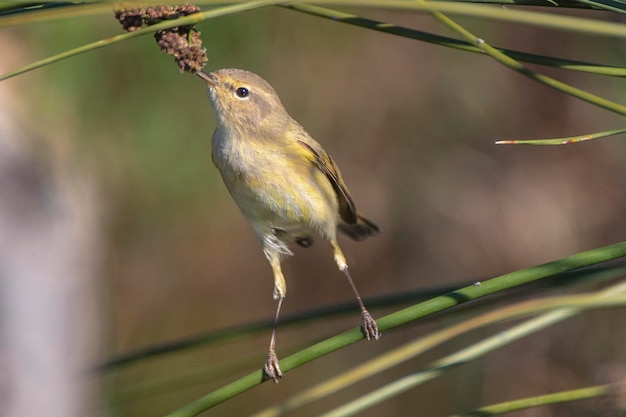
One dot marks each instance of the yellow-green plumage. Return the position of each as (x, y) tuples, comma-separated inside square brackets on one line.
[(284, 182)]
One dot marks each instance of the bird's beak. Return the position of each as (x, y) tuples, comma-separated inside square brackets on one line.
[(209, 78)]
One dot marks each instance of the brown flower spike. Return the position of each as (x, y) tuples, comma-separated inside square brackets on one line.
[(182, 42)]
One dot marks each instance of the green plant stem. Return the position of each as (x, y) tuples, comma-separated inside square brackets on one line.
[(616, 7), (525, 403), (580, 25), (517, 66), (404, 316), (535, 19), (405, 32), (462, 356), (187, 20), (387, 301), (29, 15), (464, 8), (562, 141), (410, 350)]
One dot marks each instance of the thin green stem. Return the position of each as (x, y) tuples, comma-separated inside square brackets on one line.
[(405, 32), (611, 6), (581, 25), (465, 8), (48, 13), (517, 66), (530, 402), (535, 19), (465, 355), (562, 141), (416, 347), (404, 316), (187, 20)]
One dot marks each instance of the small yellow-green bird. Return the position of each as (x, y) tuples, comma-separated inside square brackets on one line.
[(284, 182)]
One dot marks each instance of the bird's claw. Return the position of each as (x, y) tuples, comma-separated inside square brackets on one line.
[(369, 326), (271, 368)]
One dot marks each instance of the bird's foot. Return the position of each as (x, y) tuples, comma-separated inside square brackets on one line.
[(271, 368), (369, 326)]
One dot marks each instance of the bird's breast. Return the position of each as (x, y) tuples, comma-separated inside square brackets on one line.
[(275, 186)]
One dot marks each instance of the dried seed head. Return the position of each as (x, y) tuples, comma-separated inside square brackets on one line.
[(183, 42)]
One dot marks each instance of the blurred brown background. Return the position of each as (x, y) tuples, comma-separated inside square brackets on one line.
[(412, 127)]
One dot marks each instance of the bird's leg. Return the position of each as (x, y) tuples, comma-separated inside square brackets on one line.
[(368, 324), (274, 249), (272, 368)]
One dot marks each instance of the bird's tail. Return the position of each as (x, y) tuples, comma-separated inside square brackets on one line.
[(362, 229)]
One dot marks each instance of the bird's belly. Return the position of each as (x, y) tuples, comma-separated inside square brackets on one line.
[(277, 200)]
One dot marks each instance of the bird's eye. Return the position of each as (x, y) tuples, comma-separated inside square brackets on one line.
[(242, 92)]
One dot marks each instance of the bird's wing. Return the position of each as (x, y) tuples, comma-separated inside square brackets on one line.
[(325, 163)]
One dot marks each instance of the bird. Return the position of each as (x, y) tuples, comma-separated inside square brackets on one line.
[(284, 182)]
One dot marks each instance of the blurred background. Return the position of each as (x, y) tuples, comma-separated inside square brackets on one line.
[(113, 205)]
